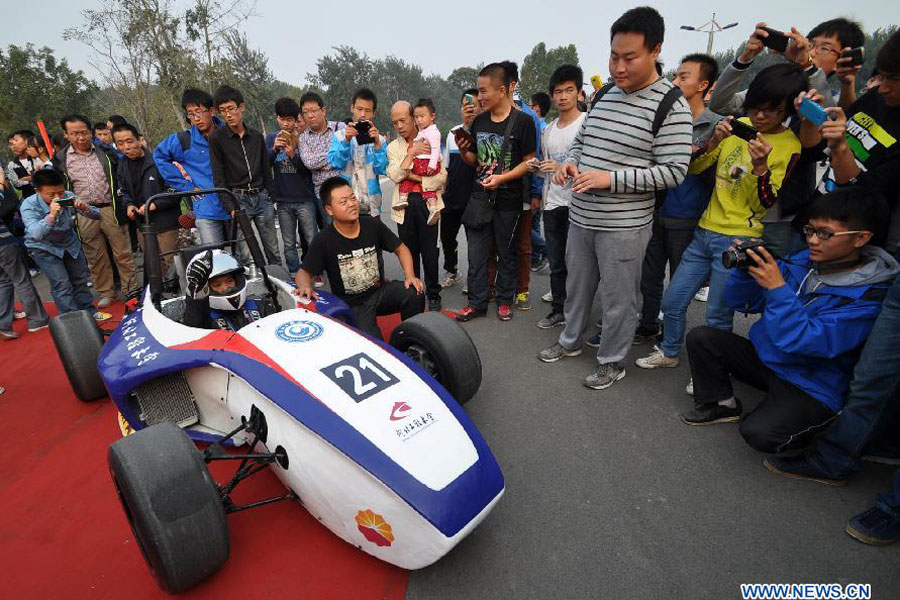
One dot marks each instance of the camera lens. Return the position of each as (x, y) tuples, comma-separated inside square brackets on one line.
[(730, 259)]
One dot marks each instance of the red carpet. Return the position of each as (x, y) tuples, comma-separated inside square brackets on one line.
[(63, 532)]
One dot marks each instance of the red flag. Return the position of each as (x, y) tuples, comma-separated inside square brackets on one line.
[(46, 137)]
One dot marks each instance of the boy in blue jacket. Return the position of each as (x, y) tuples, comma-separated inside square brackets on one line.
[(817, 309), (183, 161)]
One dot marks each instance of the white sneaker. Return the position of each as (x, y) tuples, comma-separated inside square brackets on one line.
[(433, 217), (548, 297), (690, 387), (104, 302), (450, 279), (702, 294), (657, 359)]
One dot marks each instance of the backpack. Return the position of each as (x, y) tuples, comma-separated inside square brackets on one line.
[(662, 111), (184, 138)]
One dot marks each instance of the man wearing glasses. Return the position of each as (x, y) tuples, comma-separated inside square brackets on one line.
[(817, 309), (183, 161), (314, 143)]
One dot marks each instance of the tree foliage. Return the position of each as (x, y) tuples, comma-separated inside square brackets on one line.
[(37, 85), (538, 66)]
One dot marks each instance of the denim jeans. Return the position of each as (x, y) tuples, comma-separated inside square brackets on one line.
[(68, 278), (666, 247), (213, 231), (891, 498), (538, 245), (873, 394), (261, 212), (289, 215), (556, 231), (701, 261)]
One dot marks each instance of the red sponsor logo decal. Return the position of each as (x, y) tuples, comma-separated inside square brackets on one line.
[(401, 411), (374, 528)]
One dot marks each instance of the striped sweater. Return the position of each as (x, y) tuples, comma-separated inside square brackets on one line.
[(617, 137)]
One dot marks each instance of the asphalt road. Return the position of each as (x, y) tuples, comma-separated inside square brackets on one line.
[(609, 495)]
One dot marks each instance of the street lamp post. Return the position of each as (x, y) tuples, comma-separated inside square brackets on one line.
[(711, 28)]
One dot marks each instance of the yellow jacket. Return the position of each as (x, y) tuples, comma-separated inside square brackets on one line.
[(740, 198)]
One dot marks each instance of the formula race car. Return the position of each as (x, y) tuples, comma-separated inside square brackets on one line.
[(369, 437)]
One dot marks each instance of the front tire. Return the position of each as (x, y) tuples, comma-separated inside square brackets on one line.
[(443, 348), (78, 342), (172, 505)]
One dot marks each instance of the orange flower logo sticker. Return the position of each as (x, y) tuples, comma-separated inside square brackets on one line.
[(374, 528)]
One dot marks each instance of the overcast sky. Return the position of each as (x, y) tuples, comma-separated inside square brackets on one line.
[(451, 34)]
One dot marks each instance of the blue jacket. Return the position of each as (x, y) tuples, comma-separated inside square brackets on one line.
[(57, 239), (340, 156), (683, 205), (537, 182), (195, 161), (812, 329)]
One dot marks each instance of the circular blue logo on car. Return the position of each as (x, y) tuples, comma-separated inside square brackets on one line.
[(299, 331)]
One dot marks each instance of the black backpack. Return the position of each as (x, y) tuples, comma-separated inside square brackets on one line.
[(184, 138), (662, 111)]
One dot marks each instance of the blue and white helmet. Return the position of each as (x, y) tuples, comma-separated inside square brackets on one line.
[(234, 297)]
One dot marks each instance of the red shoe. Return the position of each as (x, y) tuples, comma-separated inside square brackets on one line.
[(468, 313), (504, 312)]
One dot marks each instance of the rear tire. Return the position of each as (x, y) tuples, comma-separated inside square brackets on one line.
[(444, 349), (172, 505), (78, 342)]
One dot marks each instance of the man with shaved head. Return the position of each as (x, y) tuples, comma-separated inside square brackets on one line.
[(412, 222)]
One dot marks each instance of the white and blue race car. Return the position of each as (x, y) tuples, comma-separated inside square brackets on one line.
[(369, 437)]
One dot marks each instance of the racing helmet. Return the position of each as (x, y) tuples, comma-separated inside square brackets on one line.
[(234, 297)]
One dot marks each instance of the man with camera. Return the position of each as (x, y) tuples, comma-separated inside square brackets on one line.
[(360, 152), (817, 310)]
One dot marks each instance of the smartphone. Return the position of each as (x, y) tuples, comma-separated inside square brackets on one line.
[(470, 99), (776, 40), (362, 135), (812, 112), (460, 133), (597, 81), (743, 131), (856, 56)]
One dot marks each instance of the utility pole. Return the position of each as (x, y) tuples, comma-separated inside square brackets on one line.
[(711, 28)]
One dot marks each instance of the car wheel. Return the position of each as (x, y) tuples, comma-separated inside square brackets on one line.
[(172, 505), (78, 342), (444, 349), (279, 272)]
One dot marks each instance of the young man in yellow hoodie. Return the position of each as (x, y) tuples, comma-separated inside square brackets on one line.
[(749, 175)]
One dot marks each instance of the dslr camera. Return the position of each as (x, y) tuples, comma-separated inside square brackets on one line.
[(737, 257)]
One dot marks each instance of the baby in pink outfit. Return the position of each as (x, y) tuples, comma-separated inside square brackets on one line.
[(424, 165)]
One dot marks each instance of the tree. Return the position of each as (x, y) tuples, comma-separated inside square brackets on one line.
[(248, 70), (538, 66), (37, 85), (463, 78)]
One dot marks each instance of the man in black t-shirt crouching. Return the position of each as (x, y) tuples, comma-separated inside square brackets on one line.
[(349, 250)]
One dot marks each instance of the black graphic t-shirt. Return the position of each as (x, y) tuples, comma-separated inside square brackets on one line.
[(355, 267), (488, 143)]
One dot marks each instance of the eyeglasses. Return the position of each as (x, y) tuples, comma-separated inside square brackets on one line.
[(193, 115), (824, 234), (308, 112), (230, 110), (822, 50)]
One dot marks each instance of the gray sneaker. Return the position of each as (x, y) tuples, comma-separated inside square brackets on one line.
[(556, 352), (605, 376), (552, 320), (450, 279)]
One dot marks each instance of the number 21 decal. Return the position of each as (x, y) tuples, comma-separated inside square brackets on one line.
[(360, 376)]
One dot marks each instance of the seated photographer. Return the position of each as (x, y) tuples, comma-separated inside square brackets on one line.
[(216, 295), (817, 310), (349, 250)]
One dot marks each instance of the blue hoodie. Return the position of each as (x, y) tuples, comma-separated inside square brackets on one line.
[(537, 182), (812, 329), (195, 161)]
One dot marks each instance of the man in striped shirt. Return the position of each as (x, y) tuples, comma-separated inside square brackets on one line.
[(617, 164)]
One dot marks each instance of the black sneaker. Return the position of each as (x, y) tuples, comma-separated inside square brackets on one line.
[(434, 304), (875, 526), (799, 467), (645, 334), (711, 414), (594, 340), (552, 320)]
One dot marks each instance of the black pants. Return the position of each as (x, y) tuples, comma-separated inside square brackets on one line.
[(422, 241), (665, 246), (390, 298), (450, 225), (500, 234), (786, 419), (556, 233)]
